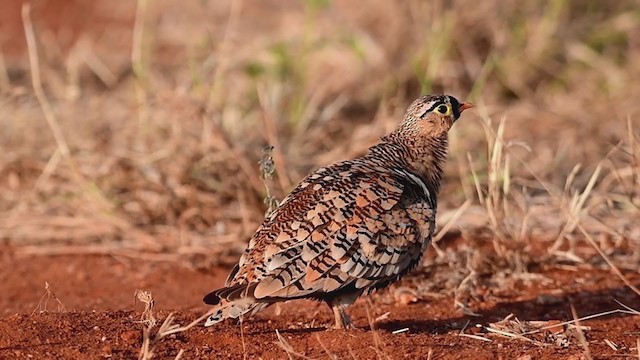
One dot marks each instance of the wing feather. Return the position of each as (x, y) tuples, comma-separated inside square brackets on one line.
[(347, 224)]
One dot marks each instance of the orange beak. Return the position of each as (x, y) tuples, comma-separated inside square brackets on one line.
[(464, 106)]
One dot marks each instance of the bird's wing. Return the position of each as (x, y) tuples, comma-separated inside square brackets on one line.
[(349, 224)]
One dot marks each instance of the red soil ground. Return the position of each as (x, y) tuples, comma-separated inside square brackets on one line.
[(100, 316)]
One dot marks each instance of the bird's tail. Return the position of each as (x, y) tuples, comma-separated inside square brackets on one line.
[(233, 310), (232, 302)]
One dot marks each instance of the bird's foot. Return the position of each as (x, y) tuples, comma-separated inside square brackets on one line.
[(342, 320)]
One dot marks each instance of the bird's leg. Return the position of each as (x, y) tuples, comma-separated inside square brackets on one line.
[(338, 305), (342, 319)]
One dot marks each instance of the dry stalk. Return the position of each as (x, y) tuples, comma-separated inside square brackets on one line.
[(610, 344), (581, 337), (146, 352), (477, 337), (138, 39), (44, 299), (244, 345), (604, 256), (445, 229), (495, 195), (49, 169), (168, 327), (629, 309), (137, 62), (63, 151), (630, 170), (217, 88), (82, 54), (267, 170), (291, 352), (5, 82), (73, 64), (461, 290), (326, 350), (588, 317), (351, 353), (634, 143), (377, 342), (224, 144), (513, 335), (95, 64), (575, 206), (271, 131), (284, 345), (147, 317), (37, 82), (179, 354), (494, 199), (519, 330)]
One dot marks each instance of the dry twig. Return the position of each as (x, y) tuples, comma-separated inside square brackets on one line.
[(604, 256), (581, 337), (37, 82), (291, 352), (146, 298), (44, 299)]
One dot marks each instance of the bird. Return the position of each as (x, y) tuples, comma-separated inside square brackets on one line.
[(349, 228)]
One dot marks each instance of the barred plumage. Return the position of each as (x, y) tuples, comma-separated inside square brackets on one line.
[(351, 227)]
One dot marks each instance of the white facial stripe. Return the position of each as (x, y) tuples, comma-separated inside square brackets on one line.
[(433, 104), (428, 107)]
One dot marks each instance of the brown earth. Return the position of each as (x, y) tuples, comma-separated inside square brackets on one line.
[(100, 316), (558, 112)]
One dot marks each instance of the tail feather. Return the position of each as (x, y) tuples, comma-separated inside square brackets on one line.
[(234, 309), (228, 293), (232, 302)]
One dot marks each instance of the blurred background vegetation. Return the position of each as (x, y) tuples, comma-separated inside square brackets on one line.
[(156, 112)]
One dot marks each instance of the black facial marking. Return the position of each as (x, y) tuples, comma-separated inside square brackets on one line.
[(455, 107), (441, 99)]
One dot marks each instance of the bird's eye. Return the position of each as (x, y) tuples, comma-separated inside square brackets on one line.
[(443, 109)]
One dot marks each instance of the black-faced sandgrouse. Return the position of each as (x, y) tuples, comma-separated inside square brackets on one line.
[(351, 227)]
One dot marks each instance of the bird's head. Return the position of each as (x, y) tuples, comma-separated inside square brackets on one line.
[(433, 115)]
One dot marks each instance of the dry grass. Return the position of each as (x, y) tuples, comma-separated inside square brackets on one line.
[(543, 333), (288, 349), (156, 151), (44, 300), (581, 336), (150, 336)]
